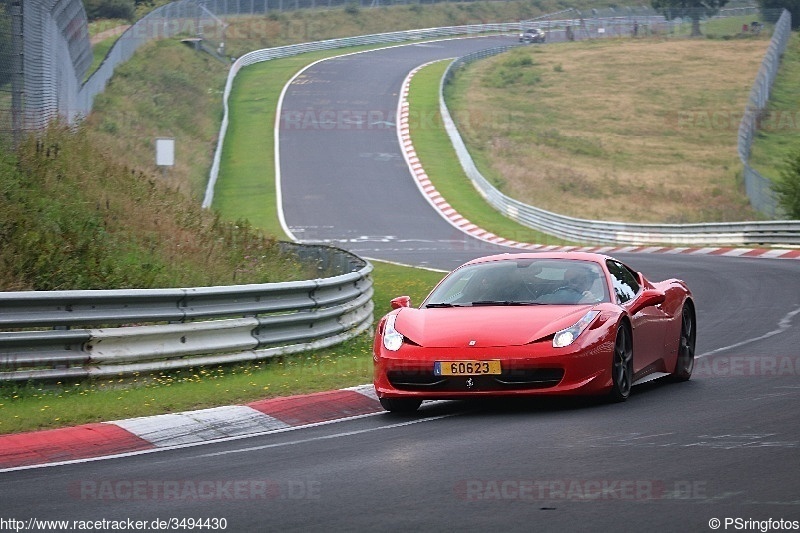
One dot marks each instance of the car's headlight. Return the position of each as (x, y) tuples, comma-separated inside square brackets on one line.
[(392, 339), (565, 337)]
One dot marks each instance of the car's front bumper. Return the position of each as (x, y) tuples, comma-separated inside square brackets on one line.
[(533, 369)]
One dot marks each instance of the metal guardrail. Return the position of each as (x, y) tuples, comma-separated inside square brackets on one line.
[(181, 328), (596, 231)]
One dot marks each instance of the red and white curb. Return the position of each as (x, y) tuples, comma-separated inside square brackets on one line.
[(451, 215), (176, 429)]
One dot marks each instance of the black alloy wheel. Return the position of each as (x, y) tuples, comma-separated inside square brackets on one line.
[(622, 365), (684, 365)]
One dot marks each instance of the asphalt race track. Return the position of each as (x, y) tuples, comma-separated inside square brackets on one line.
[(339, 146), (674, 457)]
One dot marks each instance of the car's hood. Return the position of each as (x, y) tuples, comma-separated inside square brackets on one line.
[(486, 325)]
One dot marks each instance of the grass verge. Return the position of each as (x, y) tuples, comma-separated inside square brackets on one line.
[(99, 51), (166, 90)]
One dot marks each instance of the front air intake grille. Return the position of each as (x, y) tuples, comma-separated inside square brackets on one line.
[(525, 379)]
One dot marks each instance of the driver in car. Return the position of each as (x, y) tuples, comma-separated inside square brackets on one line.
[(575, 290)]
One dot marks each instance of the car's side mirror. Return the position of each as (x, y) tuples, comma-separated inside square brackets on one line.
[(648, 298), (401, 301)]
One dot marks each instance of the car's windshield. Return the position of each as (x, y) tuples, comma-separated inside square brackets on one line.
[(520, 282)]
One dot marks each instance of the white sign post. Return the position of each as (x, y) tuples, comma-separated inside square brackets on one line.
[(165, 153)]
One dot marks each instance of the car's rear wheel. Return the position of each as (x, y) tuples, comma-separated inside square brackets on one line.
[(622, 365), (684, 365), (400, 405)]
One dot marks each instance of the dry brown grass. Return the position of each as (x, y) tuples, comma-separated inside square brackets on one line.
[(627, 130)]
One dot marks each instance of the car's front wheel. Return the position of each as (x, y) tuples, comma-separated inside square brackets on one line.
[(400, 405), (685, 362), (622, 365)]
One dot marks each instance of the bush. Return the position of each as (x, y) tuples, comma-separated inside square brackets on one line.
[(110, 9), (352, 9), (515, 68), (773, 10), (788, 187)]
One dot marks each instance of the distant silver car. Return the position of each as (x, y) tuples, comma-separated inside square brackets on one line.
[(533, 35)]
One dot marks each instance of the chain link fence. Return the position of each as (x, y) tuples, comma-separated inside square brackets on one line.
[(759, 189), (641, 21), (46, 54)]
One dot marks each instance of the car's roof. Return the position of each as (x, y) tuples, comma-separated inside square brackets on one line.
[(575, 256)]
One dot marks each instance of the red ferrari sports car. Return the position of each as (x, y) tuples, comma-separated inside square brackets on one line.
[(532, 324)]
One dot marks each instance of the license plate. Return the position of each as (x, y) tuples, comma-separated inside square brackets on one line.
[(466, 368)]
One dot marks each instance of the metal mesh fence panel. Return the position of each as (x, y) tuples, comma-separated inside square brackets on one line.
[(10, 67), (56, 54), (44, 53)]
